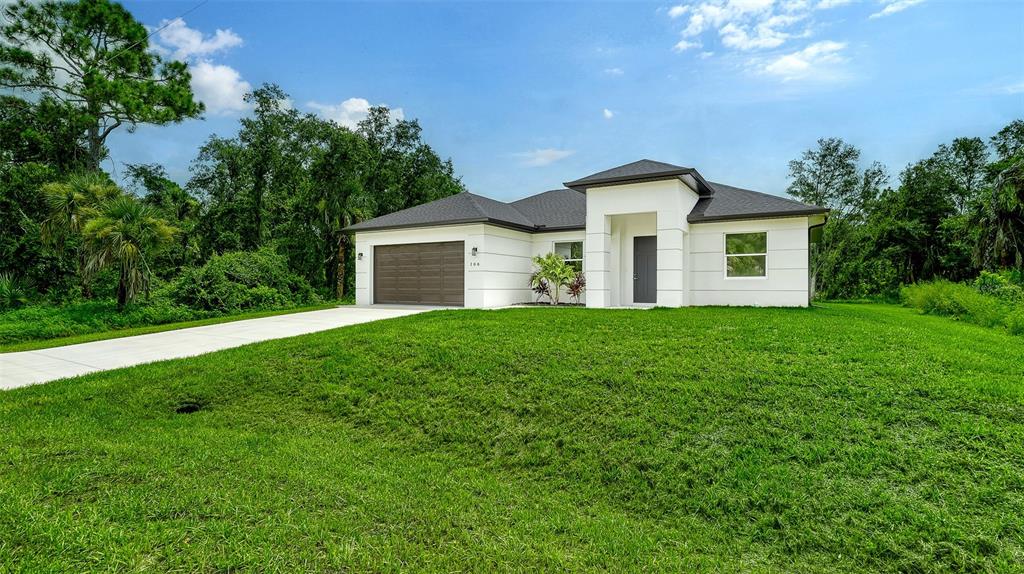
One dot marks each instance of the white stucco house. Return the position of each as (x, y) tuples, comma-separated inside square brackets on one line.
[(646, 233)]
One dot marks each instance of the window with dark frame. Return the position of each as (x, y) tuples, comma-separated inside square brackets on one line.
[(572, 252)]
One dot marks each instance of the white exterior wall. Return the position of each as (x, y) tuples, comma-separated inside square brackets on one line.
[(669, 202), (786, 283), (496, 277)]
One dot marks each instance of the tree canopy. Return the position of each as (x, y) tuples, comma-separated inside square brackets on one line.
[(92, 57), (951, 215)]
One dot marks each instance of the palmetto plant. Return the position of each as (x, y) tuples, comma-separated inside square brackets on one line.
[(14, 291), (125, 233), (73, 202), (70, 204)]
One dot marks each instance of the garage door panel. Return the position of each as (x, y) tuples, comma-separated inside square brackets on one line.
[(419, 273)]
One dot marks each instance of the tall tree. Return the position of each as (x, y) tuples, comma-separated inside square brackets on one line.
[(963, 163), (40, 141), (827, 176), (126, 233), (93, 57), (999, 212), (177, 206), (403, 171), (340, 197)]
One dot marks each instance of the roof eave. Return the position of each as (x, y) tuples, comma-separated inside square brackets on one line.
[(758, 215), (496, 222), (582, 184)]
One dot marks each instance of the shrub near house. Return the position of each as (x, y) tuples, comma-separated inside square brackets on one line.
[(553, 274)]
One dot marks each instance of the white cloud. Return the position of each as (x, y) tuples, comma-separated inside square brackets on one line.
[(816, 61), (677, 11), (829, 4), (1004, 88), (608, 114), (764, 37), (542, 157), (184, 43), (684, 45), (1010, 89), (220, 87), (706, 55), (350, 112), (716, 13), (614, 71), (745, 25), (894, 6)]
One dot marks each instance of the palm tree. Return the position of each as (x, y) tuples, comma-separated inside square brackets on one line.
[(999, 217), (125, 232), (70, 204)]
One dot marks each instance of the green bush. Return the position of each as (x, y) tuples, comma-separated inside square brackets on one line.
[(1015, 321), (983, 305), (1005, 285), (241, 280), (51, 321)]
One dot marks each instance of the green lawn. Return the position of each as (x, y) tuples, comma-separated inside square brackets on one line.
[(17, 326), (839, 438)]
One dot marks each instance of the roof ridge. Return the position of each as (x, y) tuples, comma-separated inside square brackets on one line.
[(473, 197)]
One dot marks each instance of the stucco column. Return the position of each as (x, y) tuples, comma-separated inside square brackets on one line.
[(671, 258), (597, 260)]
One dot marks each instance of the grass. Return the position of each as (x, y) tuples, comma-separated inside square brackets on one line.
[(839, 438), (33, 344)]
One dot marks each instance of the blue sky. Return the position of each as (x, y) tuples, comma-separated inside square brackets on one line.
[(524, 96)]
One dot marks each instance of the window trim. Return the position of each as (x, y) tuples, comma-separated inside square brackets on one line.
[(726, 255), (583, 253)]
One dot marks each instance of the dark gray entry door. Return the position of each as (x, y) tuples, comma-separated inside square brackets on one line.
[(645, 269)]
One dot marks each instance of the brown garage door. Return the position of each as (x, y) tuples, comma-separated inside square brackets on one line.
[(419, 273)]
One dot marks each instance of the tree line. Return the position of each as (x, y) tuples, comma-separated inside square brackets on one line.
[(949, 216), (75, 72)]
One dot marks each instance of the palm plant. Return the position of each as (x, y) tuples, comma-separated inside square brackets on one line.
[(554, 271), (70, 204), (14, 291), (125, 233), (73, 202)]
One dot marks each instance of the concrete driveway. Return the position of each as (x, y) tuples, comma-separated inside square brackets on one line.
[(30, 367)]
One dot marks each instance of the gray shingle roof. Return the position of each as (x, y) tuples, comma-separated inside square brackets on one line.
[(567, 209), (644, 168), (731, 203), (462, 207), (555, 209)]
